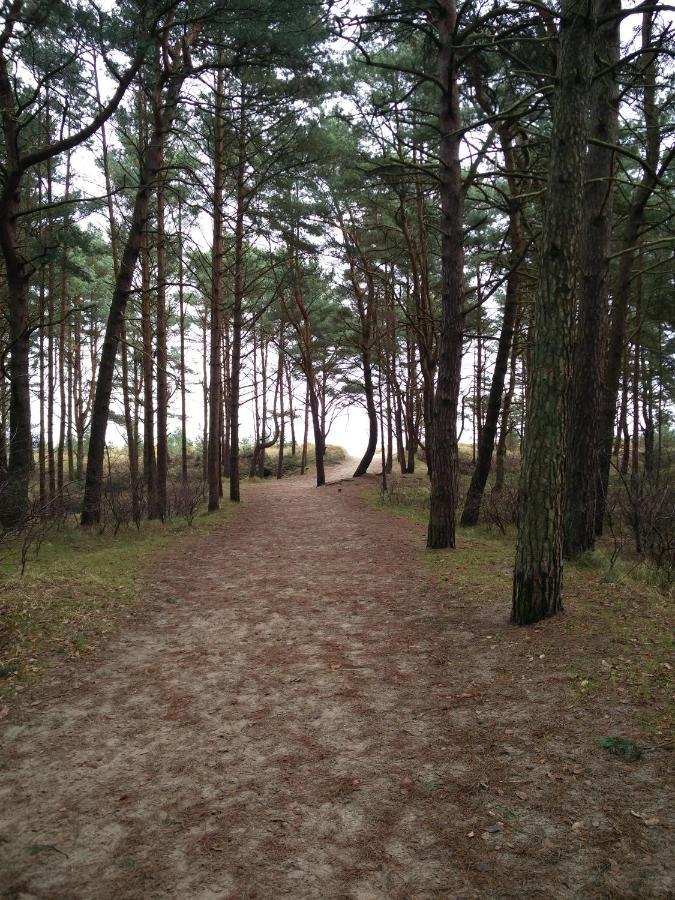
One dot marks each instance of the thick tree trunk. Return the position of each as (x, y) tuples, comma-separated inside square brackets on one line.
[(589, 360), (14, 507), (537, 582), (442, 442)]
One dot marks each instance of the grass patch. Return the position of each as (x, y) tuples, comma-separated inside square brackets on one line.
[(75, 592), (616, 635)]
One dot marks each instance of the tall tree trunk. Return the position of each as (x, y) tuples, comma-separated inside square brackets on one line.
[(215, 383), (63, 325), (237, 304), (505, 427), (589, 361), (442, 442), (42, 444), (537, 582), (621, 292), (91, 510), (162, 355), (514, 284), (280, 389), (181, 329), (305, 434), (149, 456)]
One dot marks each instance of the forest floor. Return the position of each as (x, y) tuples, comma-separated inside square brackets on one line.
[(307, 704)]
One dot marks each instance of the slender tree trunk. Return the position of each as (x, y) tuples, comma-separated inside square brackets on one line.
[(589, 361), (371, 409), (537, 583), (42, 444), (280, 389), (621, 292), (91, 511), (237, 305), (514, 284), (149, 455), (205, 397), (305, 434), (505, 427), (181, 328), (162, 356), (442, 442), (63, 411), (215, 384)]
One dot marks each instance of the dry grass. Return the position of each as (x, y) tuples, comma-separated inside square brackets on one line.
[(617, 628), (77, 590)]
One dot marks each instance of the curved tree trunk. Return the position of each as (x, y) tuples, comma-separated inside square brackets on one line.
[(369, 391)]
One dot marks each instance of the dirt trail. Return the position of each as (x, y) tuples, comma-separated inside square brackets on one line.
[(302, 712)]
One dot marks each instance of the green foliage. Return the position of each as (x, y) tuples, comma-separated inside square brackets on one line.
[(621, 747)]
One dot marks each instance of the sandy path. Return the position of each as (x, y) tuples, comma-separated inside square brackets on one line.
[(292, 716)]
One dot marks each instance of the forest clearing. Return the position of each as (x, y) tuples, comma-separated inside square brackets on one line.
[(337, 407)]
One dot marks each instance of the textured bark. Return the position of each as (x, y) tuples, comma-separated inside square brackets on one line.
[(149, 455), (215, 379), (162, 357), (280, 390), (442, 442), (589, 360), (237, 305), (63, 311), (537, 582), (181, 331)]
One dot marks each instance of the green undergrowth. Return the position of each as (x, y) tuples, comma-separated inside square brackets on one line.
[(615, 637), (77, 589)]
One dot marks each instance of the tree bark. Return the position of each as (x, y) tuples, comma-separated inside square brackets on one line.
[(621, 292), (442, 442), (91, 510), (537, 582), (589, 360), (215, 383)]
